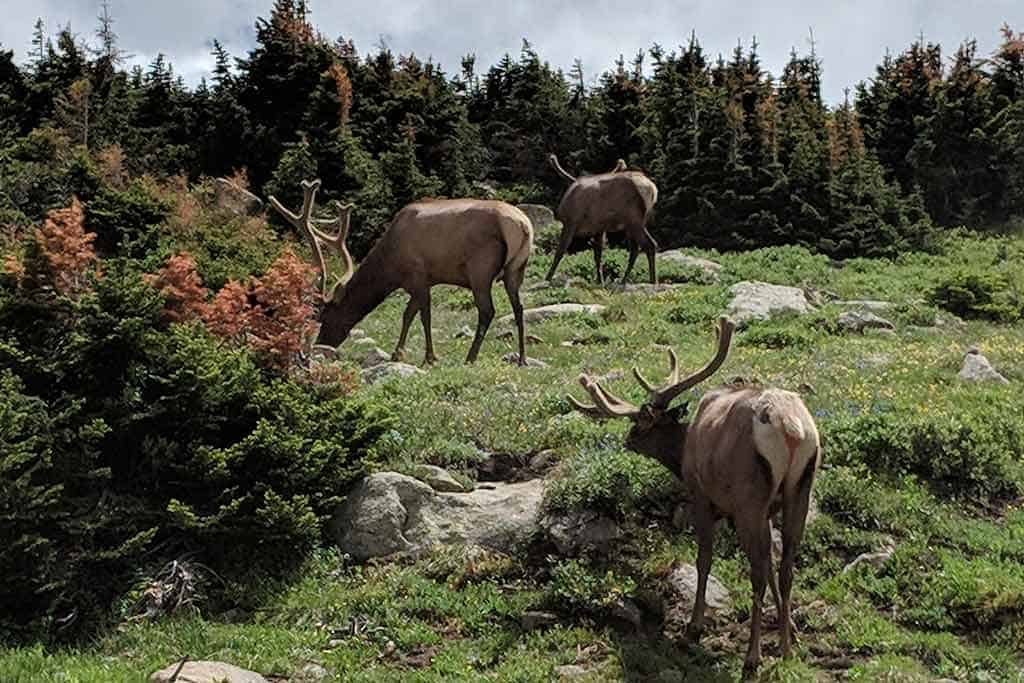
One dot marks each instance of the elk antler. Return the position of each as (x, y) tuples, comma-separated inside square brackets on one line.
[(313, 229), (662, 397), (606, 404)]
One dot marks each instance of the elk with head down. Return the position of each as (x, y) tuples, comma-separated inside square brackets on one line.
[(747, 453), (595, 205), (464, 242)]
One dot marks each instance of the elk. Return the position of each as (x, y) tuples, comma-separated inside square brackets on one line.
[(607, 202), (747, 453), (469, 243)]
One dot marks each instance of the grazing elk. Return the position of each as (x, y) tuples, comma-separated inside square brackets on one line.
[(465, 242), (607, 202), (748, 452)]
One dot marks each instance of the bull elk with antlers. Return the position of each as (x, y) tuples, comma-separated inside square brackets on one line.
[(595, 205), (464, 242), (747, 453)]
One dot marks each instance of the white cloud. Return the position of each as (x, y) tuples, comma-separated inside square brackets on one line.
[(851, 35)]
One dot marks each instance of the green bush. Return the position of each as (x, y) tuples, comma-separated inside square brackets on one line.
[(781, 333), (125, 445), (968, 448), (580, 589), (978, 293), (125, 221), (610, 481)]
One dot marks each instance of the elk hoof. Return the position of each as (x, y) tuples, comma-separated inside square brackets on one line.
[(398, 357), (430, 360), (750, 666), (693, 634)]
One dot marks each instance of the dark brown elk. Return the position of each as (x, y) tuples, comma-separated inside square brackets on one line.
[(747, 453), (464, 242), (595, 205)]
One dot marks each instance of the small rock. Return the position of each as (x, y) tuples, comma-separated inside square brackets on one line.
[(762, 301), (535, 620), (543, 461), (875, 559), (363, 342), (874, 360), (866, 304), (513, 358), (535, 315), (977, 368), (206, 672), (464, 332), (385, 371), (644, 287), (438, 479), (235, 199), (356, 334), (311, 673), (540, 216), (374, 357), (710, 269), (683, 581), (570, 672), (581, 531), (858, 321)]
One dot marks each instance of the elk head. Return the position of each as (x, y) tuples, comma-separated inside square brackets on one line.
[(658, 429), (320, 235)]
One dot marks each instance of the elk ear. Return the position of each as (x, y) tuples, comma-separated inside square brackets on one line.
[(679, 412)]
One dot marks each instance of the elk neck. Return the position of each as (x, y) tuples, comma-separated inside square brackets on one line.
[(372, 282)]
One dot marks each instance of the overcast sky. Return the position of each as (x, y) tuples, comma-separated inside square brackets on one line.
[(851, 35)]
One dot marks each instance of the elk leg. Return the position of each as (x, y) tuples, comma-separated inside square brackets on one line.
[(704, 526), (650, 247), (634, 250), (758, 544), (598, 243), (513, 281), (410, 314), (422, 297), (773, 579), (485, 314), (794, 518), (563, 245)]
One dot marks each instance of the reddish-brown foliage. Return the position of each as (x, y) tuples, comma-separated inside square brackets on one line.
[(337, 73), (111, 165), (282, 319), (228, 314), (66, 249), (183, 289)]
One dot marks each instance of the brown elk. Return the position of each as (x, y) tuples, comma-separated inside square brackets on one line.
[(607, 202), (747, 453), (464, 242)]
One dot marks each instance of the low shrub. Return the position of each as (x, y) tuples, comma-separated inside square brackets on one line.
[(978, 294), (577, 588)]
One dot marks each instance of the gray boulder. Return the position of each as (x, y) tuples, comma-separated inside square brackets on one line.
[(206, 672), (858, 321), (762, 301), (391, 513), (373, 357), (581, 531), (386, 371), (535, 315), (710, 269), (438, 479), (540, 216), (682, 582), (235, 199), (977, 368)]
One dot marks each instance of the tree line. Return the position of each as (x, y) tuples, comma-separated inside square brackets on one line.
[(743, 159)]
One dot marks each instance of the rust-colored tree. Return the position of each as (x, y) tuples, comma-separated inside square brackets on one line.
[(281, 323), (62, 253), (183, 289)]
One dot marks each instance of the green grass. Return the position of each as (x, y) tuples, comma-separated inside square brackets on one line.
[(910, 451)]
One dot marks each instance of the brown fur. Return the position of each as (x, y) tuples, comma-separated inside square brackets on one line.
[(737, 464), (595, 205), (463, 242)]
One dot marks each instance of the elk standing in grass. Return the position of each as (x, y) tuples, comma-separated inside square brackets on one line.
[(464, 242), (607, 202), (747, 453)]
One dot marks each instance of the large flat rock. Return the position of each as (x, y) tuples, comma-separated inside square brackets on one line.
[(761, 301), (535, 315), (391, 513)]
